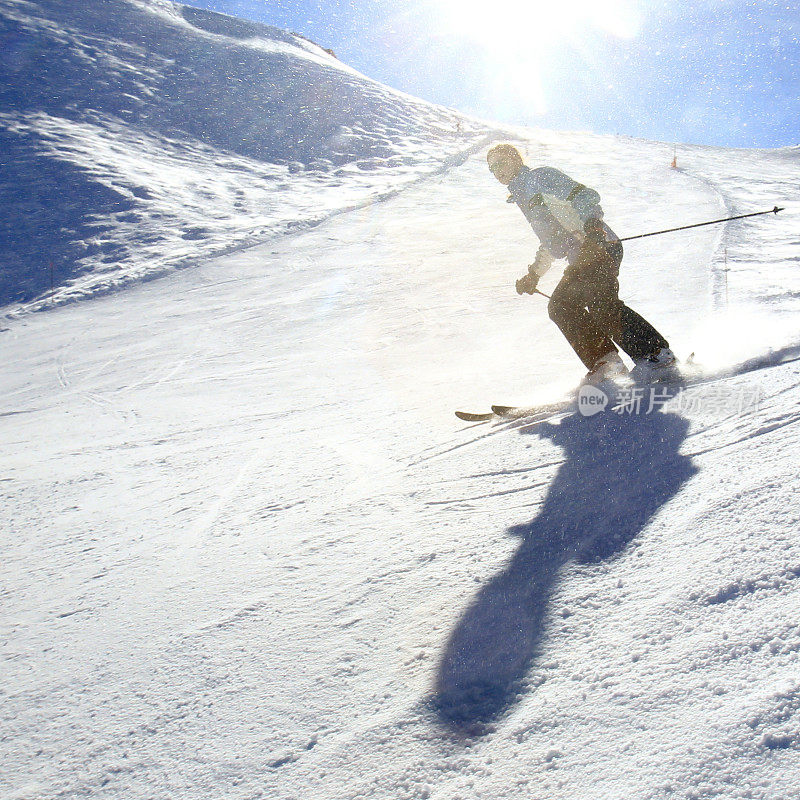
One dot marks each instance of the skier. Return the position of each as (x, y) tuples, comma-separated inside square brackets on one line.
[(568, 219)]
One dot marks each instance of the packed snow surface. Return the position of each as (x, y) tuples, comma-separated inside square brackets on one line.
[(247, 549)]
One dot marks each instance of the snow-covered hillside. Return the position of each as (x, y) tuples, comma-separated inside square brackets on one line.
[(249, 552), (141, 136)]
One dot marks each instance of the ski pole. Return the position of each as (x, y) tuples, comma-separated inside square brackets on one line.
[(774, 210)]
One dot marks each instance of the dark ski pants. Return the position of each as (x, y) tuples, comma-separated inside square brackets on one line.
[(586, 307)]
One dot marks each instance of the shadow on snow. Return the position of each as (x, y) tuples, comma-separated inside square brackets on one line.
[(617, 473)]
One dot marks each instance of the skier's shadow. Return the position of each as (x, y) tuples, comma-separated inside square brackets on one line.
[(619, 470)]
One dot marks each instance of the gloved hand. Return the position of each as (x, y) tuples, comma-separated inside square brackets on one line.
[(527, 284), (594, 230)]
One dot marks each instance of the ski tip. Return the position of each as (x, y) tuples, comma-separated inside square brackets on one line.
[(502, 409), (467, 416)]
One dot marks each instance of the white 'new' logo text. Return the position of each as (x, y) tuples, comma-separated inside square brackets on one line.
[(591, 400)]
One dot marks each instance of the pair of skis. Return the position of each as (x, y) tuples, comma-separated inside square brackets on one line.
[(468, 416), (684, 373), (515, 412)]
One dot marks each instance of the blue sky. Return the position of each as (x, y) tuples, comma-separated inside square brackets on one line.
[(720, 72)]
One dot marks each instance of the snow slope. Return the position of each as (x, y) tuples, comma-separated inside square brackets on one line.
[(141, 136), (248, 551)]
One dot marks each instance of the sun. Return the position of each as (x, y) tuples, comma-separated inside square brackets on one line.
[(518, 37)]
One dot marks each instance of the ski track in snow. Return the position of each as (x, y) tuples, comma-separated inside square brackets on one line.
[(249, 552)]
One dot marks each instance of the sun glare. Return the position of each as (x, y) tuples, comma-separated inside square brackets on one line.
[(515, 23), (519, 35)]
